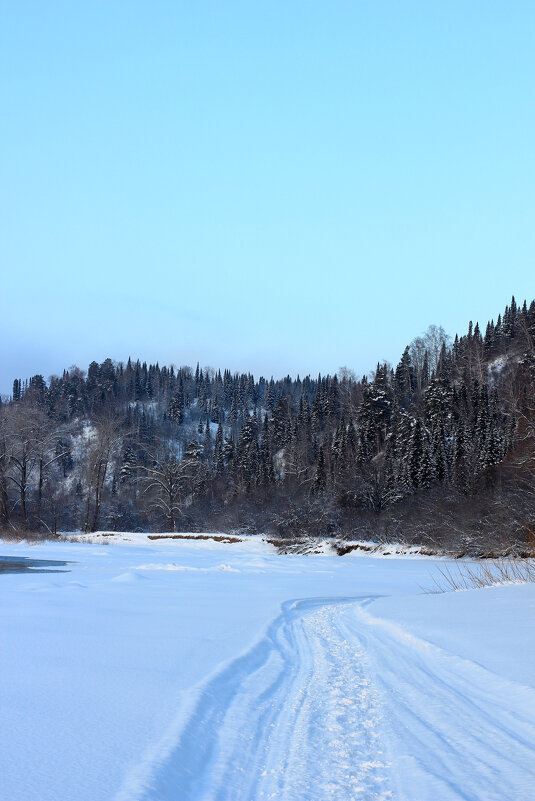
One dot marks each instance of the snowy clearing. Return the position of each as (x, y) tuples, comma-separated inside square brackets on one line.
[(189, 670)]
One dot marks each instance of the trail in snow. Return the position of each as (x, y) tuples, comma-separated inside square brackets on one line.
[(333, 704), (455, 729)]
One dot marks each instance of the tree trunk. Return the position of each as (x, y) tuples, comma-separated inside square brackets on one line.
[(23, 492), (4, 513), (86, 526), (97, 508), (171, 512), (40, 490)]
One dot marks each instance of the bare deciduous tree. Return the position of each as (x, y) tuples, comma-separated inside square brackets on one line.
[(163, 478), (103, 440)]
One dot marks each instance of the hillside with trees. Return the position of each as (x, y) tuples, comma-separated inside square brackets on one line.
[(438, 450)]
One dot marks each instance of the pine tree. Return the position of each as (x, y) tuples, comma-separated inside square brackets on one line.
[(416, 453), (207, 446), (404, 381), (176, 406), (426, 472), (460, 454), (193, 452), (218, 451), (320, 479), (128, 466)]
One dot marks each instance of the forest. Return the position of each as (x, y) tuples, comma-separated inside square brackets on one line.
[(438, 450)]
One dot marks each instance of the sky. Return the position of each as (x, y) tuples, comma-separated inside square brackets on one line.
[(275, 187)]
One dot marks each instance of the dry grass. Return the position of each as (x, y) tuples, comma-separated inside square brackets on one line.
[(294, 545), (342, 550), (215, 538), (15, 535), (489, 573)]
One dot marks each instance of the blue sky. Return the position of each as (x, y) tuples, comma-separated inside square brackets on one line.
[(269, 186)]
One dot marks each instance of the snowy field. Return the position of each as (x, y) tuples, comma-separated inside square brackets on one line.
[(193, 670)]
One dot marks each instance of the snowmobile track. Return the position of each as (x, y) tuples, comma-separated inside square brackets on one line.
[(334, 704)]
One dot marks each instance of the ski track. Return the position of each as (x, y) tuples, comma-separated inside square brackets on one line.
[(333, 704)]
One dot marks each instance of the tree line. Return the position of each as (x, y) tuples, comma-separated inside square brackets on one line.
[(439, 449)]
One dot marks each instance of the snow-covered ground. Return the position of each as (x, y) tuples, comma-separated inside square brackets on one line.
[(188, 670)]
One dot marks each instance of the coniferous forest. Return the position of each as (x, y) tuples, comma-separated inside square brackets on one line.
[(437, 450)]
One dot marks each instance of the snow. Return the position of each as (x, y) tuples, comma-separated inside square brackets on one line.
[(174, 566), (188, 670), (503, 618), (496, 366)]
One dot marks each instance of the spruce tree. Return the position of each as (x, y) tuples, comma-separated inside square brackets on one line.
[(320, 479), (176, 406)]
